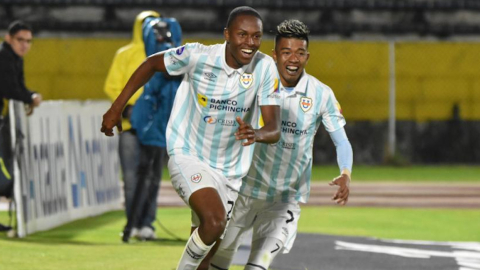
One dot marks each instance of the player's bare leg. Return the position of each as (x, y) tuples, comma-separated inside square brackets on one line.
[(208, 206)]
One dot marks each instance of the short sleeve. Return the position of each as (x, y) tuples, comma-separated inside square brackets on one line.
[(269, 92), (179, 60), (332, 116)]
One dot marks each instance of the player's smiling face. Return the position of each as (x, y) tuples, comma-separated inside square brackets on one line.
[(243, 38), (291, 56)]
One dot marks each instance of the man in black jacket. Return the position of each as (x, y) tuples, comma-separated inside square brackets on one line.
[(18, 42)]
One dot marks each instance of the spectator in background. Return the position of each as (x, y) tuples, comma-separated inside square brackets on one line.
[(18, 42), (149, 120), (126, 60), (209, 138), (279, 178)]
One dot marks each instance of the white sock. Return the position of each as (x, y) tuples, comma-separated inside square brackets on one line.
[(194, 252)]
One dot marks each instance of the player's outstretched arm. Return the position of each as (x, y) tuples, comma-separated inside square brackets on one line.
[(269, 133), (112, 118), (345, 162)]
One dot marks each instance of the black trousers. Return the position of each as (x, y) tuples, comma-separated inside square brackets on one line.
[(6, 159), (148, 182)]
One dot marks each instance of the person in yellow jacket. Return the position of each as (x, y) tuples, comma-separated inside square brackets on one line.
[(126, 60)]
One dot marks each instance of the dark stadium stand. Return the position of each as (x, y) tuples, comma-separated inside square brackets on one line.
[(440, 18)]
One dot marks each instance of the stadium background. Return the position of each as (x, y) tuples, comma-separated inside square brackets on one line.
[(437, 114), (435, 61)]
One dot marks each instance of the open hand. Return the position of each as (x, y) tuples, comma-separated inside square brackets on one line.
[(343, 183)]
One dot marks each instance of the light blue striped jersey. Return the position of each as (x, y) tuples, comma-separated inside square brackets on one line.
[(210, 97), (281, 171)]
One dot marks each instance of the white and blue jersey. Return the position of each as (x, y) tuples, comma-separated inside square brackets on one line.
[(210, 97), (281, 172)]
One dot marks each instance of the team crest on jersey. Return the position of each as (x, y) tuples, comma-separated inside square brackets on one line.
[(246, 80), (196, 178), (306, 103)]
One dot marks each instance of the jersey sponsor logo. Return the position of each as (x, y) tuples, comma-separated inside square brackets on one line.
[(202, 100), (224, 122), (180, 50), (274, 95), (227, 122), (209, 120), (196, 178), (290, 128), (306, 103), (286, 145), (246, 80), (210, 76), (226, 105)]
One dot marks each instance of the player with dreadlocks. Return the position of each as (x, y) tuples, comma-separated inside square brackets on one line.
[(279, 178)]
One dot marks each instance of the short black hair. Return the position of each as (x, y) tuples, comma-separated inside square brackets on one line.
[(292, 29), (243, 10), (17, 26)]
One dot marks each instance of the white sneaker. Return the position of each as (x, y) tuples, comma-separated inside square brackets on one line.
[(134, 233), (147, 233)]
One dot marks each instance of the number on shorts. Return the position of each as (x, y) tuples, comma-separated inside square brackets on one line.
[(291, 216), (231, 203)]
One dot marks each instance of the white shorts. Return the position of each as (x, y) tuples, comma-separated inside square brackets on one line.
[(189, 174), (268, 219)]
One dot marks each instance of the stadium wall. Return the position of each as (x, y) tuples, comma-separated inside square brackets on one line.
[(436, 82), (431, 78), (64, 168)]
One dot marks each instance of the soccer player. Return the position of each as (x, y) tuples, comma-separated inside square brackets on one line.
[(208, 139), (279, 177)]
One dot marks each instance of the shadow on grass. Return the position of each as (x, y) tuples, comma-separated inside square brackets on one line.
[(94, 231)]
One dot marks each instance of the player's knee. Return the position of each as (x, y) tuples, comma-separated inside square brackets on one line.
[(214, 223), (217, 224)]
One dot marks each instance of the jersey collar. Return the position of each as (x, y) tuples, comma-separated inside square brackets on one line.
[(229, 70), (301, 87)]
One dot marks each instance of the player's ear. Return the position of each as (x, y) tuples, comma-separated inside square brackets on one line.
[(8, 38)]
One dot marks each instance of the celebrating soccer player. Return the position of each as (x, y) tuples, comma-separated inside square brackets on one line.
[(280, 174), (209, 138)]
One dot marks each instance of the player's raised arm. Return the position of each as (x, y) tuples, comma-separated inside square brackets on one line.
[(112, 118)]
